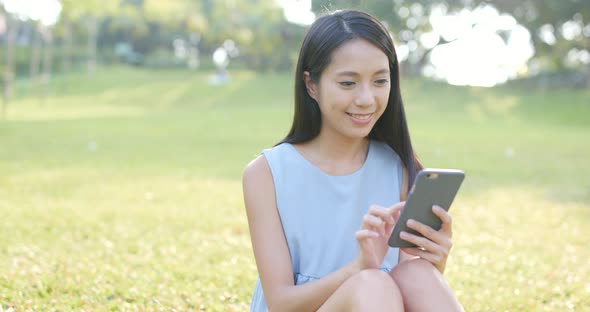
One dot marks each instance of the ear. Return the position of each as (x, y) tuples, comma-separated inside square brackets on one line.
[(310, 86)]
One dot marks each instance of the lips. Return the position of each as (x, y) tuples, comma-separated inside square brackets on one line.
[(361, 119), (360, 116)]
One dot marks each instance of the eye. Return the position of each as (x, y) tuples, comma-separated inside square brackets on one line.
[(382, 81), (347, 83)]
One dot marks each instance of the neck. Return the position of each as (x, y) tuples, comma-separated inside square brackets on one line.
[(339, 149)]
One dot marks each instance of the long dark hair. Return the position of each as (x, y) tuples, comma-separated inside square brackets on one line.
[(326, 34)]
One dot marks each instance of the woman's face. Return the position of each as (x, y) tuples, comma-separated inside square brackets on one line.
[(353, 89)]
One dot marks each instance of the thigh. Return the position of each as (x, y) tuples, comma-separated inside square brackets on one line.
[(368, 290)]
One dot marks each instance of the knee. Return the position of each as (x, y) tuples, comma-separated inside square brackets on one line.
[(418, 279), (372, 278), (374, 284), (415, 273)]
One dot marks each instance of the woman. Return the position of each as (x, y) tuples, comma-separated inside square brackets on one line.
[(322, 202)]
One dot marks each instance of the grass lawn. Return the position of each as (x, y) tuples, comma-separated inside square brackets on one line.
[(122, 191)]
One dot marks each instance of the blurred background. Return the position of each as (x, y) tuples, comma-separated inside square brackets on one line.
[(126, 124), (541, 43)]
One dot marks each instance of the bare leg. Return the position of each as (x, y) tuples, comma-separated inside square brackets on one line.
[(368, 290), (423, 288)]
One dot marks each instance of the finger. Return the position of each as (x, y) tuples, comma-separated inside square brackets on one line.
[(381, 212), (396, 210), (422, 242), (428, 256), (372, 222), (445, 217), (425, 230), (397, 207), (388, 227), (439, 241), (365, 234), (396, 214), (441, 213)]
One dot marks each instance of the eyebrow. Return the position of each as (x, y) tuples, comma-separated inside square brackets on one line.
[(351, 73)]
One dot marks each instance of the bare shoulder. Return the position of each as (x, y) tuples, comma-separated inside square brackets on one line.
[(256, 166), (258, 185), (257, 173)]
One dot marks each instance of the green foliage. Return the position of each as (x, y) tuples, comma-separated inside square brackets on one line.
[(384, 10), (534, 14), (531, 14), (123, 191), (266, 41)]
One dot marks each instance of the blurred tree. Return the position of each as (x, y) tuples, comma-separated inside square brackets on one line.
[(406, 20), (64, 32), (265, 40), (35, 61), (557, 28), (47, 35), (41, 56), (384, 10), (91, 13), (167, 21), (12, 29)]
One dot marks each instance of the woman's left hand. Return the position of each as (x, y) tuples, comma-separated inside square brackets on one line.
[(435, 245)]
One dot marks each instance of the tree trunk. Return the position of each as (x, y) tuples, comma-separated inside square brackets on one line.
[(67, 47), (35, 57), (66, 53), (47, 61), (92, 24), (13, 27)]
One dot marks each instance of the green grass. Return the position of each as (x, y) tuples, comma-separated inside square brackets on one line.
[(122, 191)]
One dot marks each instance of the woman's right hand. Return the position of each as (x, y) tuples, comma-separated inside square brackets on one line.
[(374, 235)]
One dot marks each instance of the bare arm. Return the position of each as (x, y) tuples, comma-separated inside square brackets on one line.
[(271, 251)]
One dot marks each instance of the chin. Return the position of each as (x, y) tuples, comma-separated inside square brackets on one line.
[(359, 134)]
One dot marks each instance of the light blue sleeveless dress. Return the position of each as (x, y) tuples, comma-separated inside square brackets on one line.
[(320, 213)]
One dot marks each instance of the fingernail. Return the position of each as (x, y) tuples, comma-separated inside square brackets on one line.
[(436, 207), (403, 234), (411, 222)]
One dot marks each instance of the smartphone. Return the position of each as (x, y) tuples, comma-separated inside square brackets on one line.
[(431, 187)]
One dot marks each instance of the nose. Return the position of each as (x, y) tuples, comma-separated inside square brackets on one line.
[(365, 96)]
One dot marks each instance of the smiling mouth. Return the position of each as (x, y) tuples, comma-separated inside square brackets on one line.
[(360, 116)]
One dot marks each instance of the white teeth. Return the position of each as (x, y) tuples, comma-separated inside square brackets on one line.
[(361, 117)]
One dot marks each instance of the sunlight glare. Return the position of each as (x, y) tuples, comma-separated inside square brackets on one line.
[(45, 11), (477, 54), (297, 11)]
